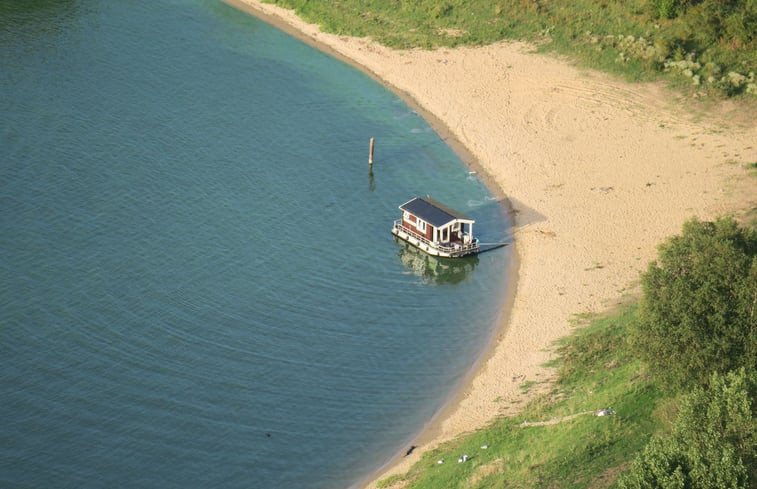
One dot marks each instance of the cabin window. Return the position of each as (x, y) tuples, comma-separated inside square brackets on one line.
[(421, 225), (406, 216)]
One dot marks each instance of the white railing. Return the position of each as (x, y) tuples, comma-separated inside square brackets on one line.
[(456, 248)]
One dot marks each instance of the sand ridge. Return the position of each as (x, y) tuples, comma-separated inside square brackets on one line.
[(597, 172)]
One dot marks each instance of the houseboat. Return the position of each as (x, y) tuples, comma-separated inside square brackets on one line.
[(435, 228)]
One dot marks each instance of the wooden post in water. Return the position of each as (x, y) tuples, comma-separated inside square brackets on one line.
[(370, 153)]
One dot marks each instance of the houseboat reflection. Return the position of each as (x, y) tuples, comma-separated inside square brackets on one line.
[(432, 269)]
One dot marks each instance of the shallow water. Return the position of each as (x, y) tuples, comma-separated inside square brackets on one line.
[(198, 286)]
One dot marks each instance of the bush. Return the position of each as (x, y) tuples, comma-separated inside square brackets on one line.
[(665, 9), (712, 445), (698, 309)]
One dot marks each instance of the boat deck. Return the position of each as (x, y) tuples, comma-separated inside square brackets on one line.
[(455, 248)]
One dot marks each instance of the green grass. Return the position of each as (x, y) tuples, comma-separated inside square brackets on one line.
[(596, 370), (525, 387), (626, 38)]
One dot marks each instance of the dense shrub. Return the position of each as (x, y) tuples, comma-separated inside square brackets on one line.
[(665, 9), (698, 309), (712, 445)]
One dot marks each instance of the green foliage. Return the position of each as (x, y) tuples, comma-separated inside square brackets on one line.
[(665, 9), (704, 45), (733, 22), (698, 309), (712, 445)]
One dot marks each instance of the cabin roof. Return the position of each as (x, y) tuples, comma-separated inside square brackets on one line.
[(433, 212)]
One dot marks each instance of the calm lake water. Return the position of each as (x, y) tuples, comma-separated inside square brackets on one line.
[(198, 286)]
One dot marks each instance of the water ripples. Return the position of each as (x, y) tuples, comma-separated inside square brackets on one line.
[(197, 279)]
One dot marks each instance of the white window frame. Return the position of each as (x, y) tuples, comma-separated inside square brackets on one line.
[(420, 225)]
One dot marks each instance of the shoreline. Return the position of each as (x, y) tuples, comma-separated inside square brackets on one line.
[(429, 435), (594, 172), (267, 13)]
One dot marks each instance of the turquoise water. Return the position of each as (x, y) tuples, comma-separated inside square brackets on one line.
[(198, 286)]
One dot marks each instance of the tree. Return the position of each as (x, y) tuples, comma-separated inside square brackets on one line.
[(712, 445), (698, 308)]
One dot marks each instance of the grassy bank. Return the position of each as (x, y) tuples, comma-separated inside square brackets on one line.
[(704, 47), (558, 440), (678, 368)]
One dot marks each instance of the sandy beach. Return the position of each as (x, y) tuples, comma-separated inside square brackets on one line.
[(597, 173)]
